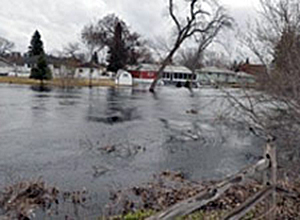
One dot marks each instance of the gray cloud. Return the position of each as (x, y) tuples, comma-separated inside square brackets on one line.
[(58, 21), (61, 22)]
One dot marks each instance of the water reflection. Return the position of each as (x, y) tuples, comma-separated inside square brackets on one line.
[(118, 107), (41, 88)]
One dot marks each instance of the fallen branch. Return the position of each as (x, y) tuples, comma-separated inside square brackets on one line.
[(188, 206), (241, 210)]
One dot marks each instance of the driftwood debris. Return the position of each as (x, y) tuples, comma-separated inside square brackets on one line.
[(243, 209), (203, 198)]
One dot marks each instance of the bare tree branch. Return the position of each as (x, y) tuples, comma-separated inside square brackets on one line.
[(212, 24), (5, 46)]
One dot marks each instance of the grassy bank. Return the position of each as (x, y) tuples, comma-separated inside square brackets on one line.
[(58, 82)]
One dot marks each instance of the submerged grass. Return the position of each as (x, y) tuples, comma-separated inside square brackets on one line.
[(58, 82)]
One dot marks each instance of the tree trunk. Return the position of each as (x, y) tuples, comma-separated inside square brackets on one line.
[(166, 61)]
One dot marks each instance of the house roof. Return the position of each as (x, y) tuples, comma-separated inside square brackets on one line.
[(213, 69), (90, 65), (177, 69), (245, 75), (253, 69), (155, 68), (4, 62), (56, 61)]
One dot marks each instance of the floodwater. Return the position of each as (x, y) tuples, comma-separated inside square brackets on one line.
[(110, 138)]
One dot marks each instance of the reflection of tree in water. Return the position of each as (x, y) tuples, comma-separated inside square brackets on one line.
[(40, 88), (118, 108)]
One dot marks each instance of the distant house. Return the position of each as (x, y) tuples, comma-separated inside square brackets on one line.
[(18, 65), (90, 71), (146, 73), (252, 69), (5, 67), (63, 66), (214, 75), (22, 65), (245, 78), (211, 75), (177, 74)]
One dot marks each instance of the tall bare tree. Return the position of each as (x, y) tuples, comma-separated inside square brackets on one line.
[(273, 110), (190, 58), (71, 49), (102, 34), (5, 46), (203, 17)]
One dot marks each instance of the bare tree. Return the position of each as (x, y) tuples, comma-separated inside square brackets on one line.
[(273, 110), (102, 35), (217, 59), (197, 22), (190, 58), (71, 49), (5, 46)]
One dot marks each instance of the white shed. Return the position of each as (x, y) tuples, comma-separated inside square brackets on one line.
[(123, 78)]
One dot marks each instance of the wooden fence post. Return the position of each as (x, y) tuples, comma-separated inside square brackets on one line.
[(273, 179), (270, 178)]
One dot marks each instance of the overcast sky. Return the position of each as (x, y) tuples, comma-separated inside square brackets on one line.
[(61, 21)]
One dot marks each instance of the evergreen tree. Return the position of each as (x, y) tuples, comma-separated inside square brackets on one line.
[(36, 47), (117, 51), (41, 71), (95, 58), (103, 34)]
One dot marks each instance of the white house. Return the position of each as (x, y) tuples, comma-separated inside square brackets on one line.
[(211, 75), (243, 77), (21, 65), (172, 74), (214, 75), (123, 78), (90, 71), (21, 71), (5, 67)]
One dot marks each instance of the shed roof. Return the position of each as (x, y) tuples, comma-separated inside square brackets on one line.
[(155, 68)]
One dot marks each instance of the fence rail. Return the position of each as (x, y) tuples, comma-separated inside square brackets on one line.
[(267, 165)]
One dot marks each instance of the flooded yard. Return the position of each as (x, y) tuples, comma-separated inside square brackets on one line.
[(110, 138)]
